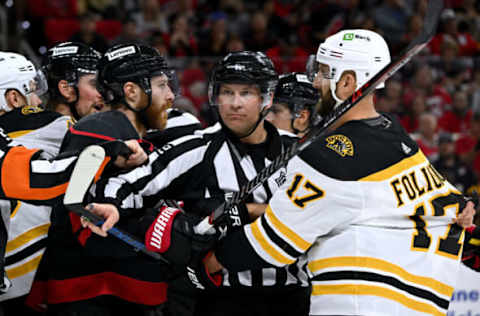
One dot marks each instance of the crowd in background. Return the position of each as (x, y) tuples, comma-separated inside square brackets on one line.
[(437, 96)]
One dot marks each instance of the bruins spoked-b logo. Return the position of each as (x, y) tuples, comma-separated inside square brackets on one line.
[(341, 144)]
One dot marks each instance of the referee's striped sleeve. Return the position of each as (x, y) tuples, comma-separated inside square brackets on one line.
[(142, 186), (25, 176)]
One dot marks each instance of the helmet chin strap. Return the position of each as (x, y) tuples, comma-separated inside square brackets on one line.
[(333, 88)]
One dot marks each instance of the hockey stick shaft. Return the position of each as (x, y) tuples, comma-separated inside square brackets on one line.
[(88, 166), (429, 28)]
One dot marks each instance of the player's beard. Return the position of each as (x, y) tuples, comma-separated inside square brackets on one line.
[(326, 103)]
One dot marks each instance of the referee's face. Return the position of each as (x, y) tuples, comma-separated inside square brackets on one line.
[(239, 106)]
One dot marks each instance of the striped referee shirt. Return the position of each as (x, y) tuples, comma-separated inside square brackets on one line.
[(207, 166)]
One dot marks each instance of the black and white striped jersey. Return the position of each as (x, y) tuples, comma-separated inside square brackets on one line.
[(202, 169)]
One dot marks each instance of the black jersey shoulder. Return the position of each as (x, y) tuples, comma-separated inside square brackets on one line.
[(96, 128), (27, 118), (360, 148)]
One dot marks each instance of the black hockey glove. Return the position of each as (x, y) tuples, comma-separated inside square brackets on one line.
[(169, 231), (234, 219), (471, 248), (199, 276)]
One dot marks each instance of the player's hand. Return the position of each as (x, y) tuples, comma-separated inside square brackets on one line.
[(205, 273), (108, 212), (465, 218), (136, 158)]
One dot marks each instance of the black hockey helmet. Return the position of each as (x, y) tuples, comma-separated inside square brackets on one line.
[(68, 61), (244, 67), (131, 62), (295, 90)]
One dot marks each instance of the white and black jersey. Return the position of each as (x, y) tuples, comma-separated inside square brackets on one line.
[(202, 169), (374, 218)]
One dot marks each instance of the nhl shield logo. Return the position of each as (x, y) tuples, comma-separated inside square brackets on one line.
[(341, 144)]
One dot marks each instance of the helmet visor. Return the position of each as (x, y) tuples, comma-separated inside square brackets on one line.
[(38, 84)]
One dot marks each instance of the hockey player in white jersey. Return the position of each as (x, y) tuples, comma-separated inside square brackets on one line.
[(20, 84), (375, 219)]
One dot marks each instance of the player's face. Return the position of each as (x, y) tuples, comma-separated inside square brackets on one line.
[(89, 99), (280, 116), (322, 84), (239, 106), (162, 99)]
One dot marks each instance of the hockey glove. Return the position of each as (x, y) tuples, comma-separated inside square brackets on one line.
[(199, 276), (170, 232), (235, 218), (471, 248)]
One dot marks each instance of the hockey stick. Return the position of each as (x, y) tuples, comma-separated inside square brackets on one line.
[(429, 28), (89, 163)]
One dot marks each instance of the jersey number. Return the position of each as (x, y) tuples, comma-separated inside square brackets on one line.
[(315, 192), (449, 244)]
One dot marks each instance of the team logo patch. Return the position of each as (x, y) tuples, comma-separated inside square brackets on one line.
[(341, 144), (121, 52), (66, 50), (30, 109), (348, 36)]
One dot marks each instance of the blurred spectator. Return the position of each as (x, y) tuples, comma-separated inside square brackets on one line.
[(391, 17), (467, 46), (474, 89), (468, 146), (235, 44), (389, 100), (457, 120), (88, 33), (437, 98), (259, 38), (215, 41), (129, 33), (181, 41), (157, 40), (470, 14), (287, 56), (238, 19), (410, 119), (107, 9), (150, 18), (450, 166), (427, 138)]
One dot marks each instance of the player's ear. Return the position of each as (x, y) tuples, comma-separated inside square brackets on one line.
[(66, 90), (15, 99)]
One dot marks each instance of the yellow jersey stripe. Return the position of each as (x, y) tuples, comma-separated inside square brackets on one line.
[(301, 243), (24, 268), (379, 264), (27, 236), (19, 133), (360, 289), (474, 242), (16, 209), (266, 246), (397, 168)]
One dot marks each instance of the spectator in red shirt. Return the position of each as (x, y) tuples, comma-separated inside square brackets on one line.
[(449, 30), (457, 120), (287, 55), (182, 42), (467, 146), (427, 138), (437, 98), (410, 119)]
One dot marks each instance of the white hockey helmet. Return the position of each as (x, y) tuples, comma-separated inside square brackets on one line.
[(17, 72), (362, 51)]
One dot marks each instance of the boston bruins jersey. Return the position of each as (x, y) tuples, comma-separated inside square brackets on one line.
[(374, 219), (28, 224)]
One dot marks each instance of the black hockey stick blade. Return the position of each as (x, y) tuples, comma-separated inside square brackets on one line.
[(88, 164), (430, 23)]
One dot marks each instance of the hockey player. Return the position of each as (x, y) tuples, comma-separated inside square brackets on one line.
[(294, 104), (70, 69), (20, 84), (379, 230), (86, 274), (203, 169)]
